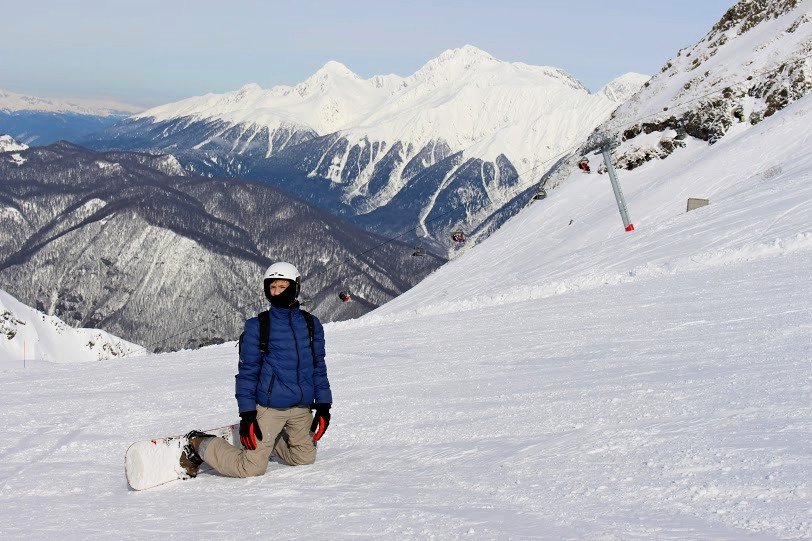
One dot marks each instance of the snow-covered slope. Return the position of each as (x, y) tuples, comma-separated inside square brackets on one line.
[(557, 381), (758, 184), (27, 335)]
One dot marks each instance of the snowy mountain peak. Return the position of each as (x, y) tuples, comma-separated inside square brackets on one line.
[(624, 87), (470, 65), (454, 63), (467, 54), (374, 136), (439, 101), (250, 88), (333, 67), (332, 74), (9, 144)]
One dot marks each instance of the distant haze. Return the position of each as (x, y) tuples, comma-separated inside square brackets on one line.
[(156, 52)]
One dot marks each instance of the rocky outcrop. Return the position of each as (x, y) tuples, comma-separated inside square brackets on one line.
[(753, 62)]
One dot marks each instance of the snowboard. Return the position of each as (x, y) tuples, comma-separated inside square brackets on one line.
[(155, 462)]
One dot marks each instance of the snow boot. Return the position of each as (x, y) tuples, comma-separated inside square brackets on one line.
[(190, 459)]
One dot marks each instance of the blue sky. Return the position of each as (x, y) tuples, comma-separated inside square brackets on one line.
[(151, 52)]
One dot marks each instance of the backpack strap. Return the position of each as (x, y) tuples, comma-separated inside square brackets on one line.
[(311, 331), (264, 331)]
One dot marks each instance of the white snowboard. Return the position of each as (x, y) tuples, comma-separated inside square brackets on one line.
[(156, 462)]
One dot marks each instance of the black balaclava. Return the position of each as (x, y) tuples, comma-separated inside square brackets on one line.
[(284, 299)]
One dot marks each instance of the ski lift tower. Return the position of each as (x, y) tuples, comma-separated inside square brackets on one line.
[(604, 145)]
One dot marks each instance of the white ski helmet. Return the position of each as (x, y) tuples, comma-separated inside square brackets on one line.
[(283, 271)]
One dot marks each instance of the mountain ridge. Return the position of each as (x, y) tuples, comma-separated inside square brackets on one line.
[(352, 145), (320, 104), (12, 101)]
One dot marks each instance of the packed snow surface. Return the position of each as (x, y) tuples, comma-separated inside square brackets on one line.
[(562, 380)]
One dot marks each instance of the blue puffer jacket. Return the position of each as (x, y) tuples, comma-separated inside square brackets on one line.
[(286, 376)]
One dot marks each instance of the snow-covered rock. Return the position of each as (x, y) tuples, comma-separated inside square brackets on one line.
[(26, 334), (9, 144)]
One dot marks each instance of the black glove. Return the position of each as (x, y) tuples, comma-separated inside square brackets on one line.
[(249, 429), (321, 420)]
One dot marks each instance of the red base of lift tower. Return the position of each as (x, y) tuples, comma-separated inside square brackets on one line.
[(630, 227)]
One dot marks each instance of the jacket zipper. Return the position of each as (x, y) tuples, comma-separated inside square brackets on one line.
[(298, 358)]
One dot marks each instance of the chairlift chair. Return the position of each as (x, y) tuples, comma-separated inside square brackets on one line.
[(418, 251), (345, 296), (458, 236), (541, 193)]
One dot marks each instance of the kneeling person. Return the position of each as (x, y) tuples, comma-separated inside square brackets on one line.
[(281, 377)]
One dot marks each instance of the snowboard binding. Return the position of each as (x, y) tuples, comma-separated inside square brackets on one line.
[(190, 459)]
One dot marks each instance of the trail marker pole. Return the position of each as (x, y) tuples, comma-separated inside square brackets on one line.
[(621, 201)]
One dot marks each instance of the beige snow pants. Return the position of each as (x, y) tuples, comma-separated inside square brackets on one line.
[(285, 432)]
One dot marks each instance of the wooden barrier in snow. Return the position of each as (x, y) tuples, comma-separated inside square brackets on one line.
[(695, 203)]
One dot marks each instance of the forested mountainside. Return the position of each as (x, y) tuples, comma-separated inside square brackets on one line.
[(132, 244)]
